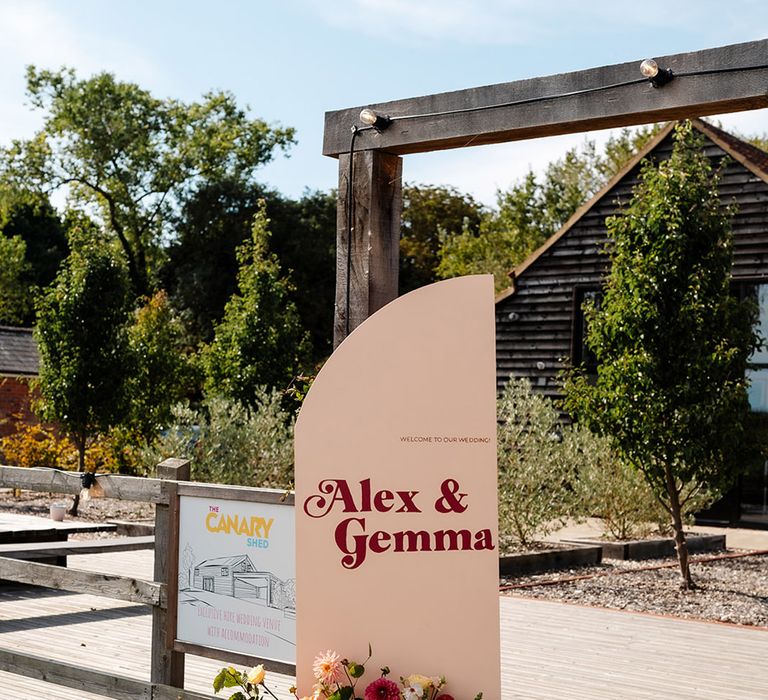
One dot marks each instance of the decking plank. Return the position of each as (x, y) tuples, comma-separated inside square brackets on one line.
[(549, 650)]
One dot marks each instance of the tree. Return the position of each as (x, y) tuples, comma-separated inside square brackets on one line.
[(536, 465), (505, 237), (672, 343), (303, 239), (430, 215), (15, 291), (81, 334), (201, 268), (163, 375), (259, 342), (37, 223), (131, 159), (533, 209), (32, 245), (231, 444)]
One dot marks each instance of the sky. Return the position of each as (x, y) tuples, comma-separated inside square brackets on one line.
[(291, 61)]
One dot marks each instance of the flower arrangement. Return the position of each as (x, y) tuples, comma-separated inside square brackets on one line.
[(337, 679), (250, 683)]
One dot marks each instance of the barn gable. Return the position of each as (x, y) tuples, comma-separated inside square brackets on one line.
[(538, 320)]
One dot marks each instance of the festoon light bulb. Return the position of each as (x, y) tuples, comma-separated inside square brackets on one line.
[(649, 68), (658, 76), (370, 117)]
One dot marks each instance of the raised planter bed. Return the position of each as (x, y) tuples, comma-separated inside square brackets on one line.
[(653, 548), (527, 563)]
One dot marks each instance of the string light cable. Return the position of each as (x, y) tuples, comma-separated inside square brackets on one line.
[(374, 121), (650, 63)]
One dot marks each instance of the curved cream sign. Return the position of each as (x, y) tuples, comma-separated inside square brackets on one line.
[(396, 500)]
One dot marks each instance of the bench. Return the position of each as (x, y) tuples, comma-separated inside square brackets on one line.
[(22, 531), (46, 550)]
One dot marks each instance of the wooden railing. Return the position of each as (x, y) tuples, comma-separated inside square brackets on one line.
[(167, 666)]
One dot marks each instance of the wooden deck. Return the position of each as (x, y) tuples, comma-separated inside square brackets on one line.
[(549, 650)]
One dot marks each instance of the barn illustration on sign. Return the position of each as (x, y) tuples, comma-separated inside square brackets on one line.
[(236, 576)]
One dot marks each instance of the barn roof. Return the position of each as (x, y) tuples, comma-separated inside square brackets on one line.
[(18, 352), (224, 561), (751, 157)]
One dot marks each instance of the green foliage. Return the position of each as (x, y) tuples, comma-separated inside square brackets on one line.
[(163, 375), (33, 219), (259, 342), (84, 352), (201, 270), (616, 492), (567, 184), (621, 148), (131, 157), (15, 290), (431, 215), (537, 462), (303, 238), (505, 237), (612, 490), (672, 344), (532, 210), (230, 444)]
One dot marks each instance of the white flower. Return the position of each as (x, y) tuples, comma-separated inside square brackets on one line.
[(413, 692)]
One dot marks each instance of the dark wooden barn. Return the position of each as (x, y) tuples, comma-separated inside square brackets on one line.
[(539, 320)]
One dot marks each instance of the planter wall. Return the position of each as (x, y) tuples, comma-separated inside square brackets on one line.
[(655, 548), (528, 563)]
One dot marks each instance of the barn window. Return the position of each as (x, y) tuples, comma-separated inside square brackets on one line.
[(225, 571), (580, 353), (758, 372)]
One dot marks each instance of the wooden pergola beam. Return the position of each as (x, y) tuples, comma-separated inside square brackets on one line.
[(713, 81), (742, 87)]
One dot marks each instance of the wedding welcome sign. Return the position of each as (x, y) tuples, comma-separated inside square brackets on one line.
[(396, 496)]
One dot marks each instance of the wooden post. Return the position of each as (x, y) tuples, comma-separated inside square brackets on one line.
[(375, 237), (167, 665)]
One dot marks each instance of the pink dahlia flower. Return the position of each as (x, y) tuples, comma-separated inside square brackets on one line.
[(328, 668), (382, 689)]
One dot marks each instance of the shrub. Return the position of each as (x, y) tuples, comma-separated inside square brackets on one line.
[(608, 488), (536, 465), (230, 444), (36, 446), (39, 446), (611, 489)]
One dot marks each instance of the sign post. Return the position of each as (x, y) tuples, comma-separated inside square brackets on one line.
[(396, 498)]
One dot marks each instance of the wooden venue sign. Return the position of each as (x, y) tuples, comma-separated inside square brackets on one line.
[(233, 581), (396, 494)]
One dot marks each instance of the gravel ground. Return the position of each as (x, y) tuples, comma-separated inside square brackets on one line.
[(97, 510), (732, 589)]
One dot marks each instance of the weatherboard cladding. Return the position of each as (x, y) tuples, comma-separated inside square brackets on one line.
[(542, 306)]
